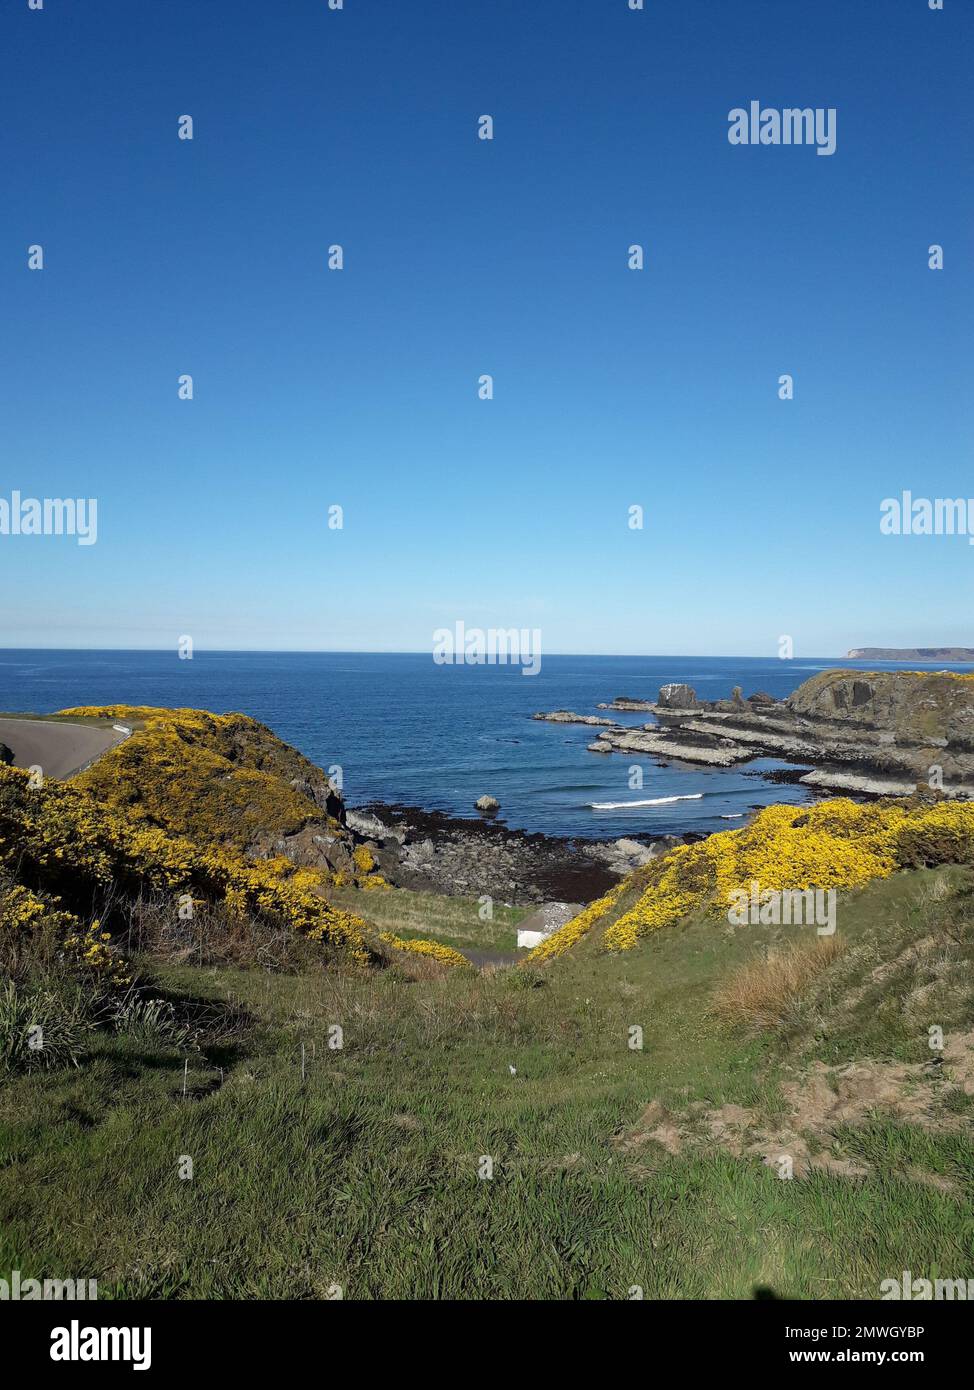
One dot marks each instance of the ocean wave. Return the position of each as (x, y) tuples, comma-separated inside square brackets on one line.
[(655, 801), (738, 815)]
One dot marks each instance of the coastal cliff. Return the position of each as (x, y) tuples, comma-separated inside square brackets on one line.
[(874, 733)]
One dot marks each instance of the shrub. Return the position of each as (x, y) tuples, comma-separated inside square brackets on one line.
[(363, 859), (37, 936), (433, 950), (61, 840), (44, 1023), (214, 936), (941, 834), (150, 1021), (572, 932), (218, 779), (837, 844)]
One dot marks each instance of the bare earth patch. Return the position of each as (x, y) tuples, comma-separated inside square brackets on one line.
[(820, 1103)]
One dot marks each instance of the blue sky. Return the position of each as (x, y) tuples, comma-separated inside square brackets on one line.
[(462, 257)]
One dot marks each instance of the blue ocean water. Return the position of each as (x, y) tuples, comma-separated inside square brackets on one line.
[(406, 730)]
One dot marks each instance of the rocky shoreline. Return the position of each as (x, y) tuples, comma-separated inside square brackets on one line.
[(863, 735), (869, 734), (429, 851)]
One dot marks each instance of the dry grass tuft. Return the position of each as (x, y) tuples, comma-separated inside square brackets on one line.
[(762, 994), (215, 937)]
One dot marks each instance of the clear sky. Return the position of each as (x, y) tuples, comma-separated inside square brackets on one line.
[(359, 387)]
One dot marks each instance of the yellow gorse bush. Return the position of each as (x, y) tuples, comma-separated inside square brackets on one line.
[(836, 844), (434, 950), (565, 938), (176, 809), (366, 868), (218, 779), (23, 912), (62, 836), (362, 857), (91, 948)]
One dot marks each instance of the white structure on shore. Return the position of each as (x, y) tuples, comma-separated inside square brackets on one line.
[(544, 921)]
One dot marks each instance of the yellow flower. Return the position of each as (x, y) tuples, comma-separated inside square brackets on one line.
[(363, 859), (446, 955), (837, 844)]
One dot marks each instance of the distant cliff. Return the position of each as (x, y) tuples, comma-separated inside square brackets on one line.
[(911, 654)]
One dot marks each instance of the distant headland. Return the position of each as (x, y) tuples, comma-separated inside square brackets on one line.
[(910, 654)]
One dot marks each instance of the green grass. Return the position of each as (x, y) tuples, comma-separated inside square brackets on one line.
[(898, 1149), (453, 921), (923, 946), (364, 1173)]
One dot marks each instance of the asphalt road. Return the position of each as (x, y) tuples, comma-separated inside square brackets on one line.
[(57, 749)]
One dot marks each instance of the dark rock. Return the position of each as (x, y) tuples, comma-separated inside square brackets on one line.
[(470, 857), (322, 792), (677, 696), (862, 693)]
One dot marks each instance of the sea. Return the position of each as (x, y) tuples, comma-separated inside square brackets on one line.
[(405, 730)]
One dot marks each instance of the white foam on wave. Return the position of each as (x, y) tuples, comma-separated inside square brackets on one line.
[(655, 801), (738, 815)]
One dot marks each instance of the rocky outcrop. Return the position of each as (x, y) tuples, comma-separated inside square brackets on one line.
[(6, 754), (629, 704), (706, 748), (873, 733), (912, 706), (565, 716), (677, 697), (487, 805), (625, 855), (222, 779), (322, 792)]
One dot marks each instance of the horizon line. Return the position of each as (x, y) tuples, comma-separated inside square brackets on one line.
[(425, 651)]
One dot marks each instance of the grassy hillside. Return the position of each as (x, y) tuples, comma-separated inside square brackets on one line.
[(456, 922), (613, 1167), (262, 1077), (162, 838)]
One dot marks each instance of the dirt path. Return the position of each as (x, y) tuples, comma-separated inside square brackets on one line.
[(492, 959), (57, 749)]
